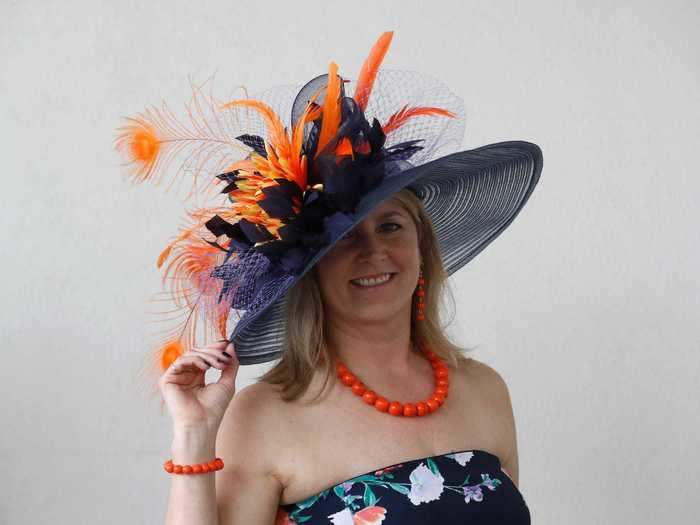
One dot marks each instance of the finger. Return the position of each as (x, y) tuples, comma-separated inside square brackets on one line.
[(221, 343), (181, 366), (212, 360), (217, 353), (232, 359), (230, 352), (190, 362), (228, 377)]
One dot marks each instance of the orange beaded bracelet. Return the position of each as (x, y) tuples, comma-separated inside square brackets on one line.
[(201, 468)]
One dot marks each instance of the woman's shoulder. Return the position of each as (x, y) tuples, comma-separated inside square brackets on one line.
[(488, 385), (253, 415), (483, 377), (258, 398), (252, 426), (474, 369), (263, 402)]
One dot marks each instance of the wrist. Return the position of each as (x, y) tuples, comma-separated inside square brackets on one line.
[(200, 432), (190, 448)]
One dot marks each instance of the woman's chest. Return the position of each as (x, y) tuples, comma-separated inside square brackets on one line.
[(343, 438)]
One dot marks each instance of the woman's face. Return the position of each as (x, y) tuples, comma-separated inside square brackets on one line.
[(383, 247)]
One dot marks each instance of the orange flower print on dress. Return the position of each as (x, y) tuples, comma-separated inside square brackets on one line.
[(373, 515), (282, 517)]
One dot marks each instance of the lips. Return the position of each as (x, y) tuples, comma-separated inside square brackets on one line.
[(373, 276), (373, 281)]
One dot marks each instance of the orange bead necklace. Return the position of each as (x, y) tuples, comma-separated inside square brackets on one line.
[(421, 408)]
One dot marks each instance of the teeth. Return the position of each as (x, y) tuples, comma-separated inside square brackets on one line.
[(373, 282)]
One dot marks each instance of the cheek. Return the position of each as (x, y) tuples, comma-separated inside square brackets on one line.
[(329, 271), (406, 248)]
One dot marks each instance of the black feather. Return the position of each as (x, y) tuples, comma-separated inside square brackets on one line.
[(255, 142)]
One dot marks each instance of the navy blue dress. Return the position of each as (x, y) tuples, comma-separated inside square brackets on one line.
[(463, 487)]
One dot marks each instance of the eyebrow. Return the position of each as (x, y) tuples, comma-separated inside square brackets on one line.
[(390, 214)]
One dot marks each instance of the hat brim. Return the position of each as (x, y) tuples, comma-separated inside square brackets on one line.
[(471, 197)]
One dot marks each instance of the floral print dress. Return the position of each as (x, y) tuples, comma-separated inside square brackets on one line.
[(461, 487)]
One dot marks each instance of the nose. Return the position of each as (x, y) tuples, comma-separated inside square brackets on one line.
[(370, 246)]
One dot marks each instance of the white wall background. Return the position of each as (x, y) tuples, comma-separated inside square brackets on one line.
[(587, 305)]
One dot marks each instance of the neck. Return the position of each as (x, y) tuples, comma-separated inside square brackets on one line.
[(370, 348)]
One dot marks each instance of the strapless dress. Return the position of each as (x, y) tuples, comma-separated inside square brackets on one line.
[(462, 487)]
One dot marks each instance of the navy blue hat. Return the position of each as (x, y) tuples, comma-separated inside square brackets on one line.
[(303, 183)]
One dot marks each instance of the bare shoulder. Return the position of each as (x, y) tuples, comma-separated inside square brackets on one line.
[(486, 376), (258, 396), (248, 489), (252, 419), (494, 391)]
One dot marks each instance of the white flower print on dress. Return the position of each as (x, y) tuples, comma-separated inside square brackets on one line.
[(425, 485), (344, 517), (462, 457)]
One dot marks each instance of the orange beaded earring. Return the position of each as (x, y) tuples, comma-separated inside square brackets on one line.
[(420, 296)]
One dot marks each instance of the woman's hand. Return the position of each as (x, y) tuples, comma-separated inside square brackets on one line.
[(191, 403)]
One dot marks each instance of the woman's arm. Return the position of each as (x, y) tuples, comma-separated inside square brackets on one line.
[(248, 491), (192, 497)]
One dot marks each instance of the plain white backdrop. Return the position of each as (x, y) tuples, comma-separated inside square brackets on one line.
[(588, 304)]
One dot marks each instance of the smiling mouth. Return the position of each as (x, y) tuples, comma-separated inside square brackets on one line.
[(374, 281)]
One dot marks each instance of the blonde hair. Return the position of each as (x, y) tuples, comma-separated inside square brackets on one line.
[(305, 347)]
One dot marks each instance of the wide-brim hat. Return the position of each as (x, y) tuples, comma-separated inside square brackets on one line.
[(295, 195), (470, 196)]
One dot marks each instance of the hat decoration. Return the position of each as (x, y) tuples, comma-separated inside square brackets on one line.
[(290, 197)]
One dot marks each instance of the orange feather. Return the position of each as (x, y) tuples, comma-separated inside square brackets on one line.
[(154, 140), (399, 118), (278, 135), (365, 80), (140, 143), (283, 154), (344, 147), (331, 108), (311, 112), (169, 352)]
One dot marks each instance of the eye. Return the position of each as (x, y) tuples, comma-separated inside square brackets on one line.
[(391, 226), (387, 226)]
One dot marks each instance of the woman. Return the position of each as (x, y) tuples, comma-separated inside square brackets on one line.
[(290, 451), (372, 415)]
